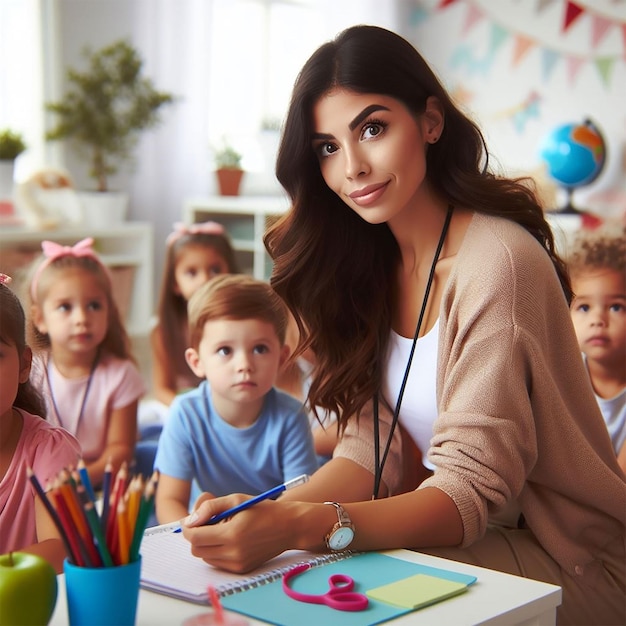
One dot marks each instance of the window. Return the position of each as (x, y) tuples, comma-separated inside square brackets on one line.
[(20, 77), (257, 49)]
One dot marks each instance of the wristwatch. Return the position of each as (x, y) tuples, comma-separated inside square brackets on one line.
[(342, 533)]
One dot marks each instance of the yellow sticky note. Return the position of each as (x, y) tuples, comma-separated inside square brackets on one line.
[(417, 591)]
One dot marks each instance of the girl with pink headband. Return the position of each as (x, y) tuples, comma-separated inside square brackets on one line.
[(195, 253), (83, 362)]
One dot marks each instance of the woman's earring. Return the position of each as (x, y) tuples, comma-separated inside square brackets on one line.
[(434, 139)]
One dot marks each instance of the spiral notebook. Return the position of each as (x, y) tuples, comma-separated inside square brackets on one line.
[(168, 567), (394, 586)]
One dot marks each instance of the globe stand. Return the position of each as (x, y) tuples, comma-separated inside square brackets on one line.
[(569, 208)]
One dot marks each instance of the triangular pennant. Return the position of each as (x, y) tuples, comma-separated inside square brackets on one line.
[(445, 3), (548, 61), (474, 15), (544, 4), (498, 36), (599, 27), (572, 13), (521, 46), (573, 68), (604, 66)]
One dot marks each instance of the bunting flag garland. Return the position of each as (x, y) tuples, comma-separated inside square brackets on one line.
[(572, 13), (522, 113), (600, 26)]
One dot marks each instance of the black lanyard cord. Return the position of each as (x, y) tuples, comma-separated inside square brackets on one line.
[(378, 464)]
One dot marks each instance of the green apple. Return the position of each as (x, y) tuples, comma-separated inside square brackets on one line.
[(28, 589)]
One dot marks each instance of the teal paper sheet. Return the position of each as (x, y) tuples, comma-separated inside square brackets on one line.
[(269, 603)]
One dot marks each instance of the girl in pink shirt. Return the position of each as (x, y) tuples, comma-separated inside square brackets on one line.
[(84, 367), (26, 441)]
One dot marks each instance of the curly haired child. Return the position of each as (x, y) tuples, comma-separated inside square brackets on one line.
[(597, 265)]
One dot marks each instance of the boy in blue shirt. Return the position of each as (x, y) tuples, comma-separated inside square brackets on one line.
[(235, 433)]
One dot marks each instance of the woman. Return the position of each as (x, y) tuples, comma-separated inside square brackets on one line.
[(402, 248)]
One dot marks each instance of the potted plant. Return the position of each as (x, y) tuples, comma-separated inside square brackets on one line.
[(228, 170), (11, 146), (105, 108)]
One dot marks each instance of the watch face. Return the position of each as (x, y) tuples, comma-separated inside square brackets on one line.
[(341, 538)]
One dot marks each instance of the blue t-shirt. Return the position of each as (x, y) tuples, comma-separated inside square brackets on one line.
[(197, 444)]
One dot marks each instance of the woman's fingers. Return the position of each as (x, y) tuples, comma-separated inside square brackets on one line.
[(207, 506)]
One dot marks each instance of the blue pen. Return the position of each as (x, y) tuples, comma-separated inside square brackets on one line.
[(266, 495)]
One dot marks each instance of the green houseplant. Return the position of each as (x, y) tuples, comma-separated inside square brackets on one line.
[(228, 170), (11, 144), (106, 107)]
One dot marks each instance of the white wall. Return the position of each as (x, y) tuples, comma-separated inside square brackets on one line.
[(171, 36), (457, 41)]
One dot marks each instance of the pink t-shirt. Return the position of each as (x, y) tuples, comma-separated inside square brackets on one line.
[(46, 449), (115, 384)]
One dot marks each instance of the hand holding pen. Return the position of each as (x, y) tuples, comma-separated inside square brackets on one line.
[(266, 495)]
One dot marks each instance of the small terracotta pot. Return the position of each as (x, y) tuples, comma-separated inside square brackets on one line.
[(229, 181)]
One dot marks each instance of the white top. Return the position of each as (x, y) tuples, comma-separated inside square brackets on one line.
[(418, 410), (614, 414)]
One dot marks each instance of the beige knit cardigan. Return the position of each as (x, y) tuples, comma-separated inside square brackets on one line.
[(518, 423)]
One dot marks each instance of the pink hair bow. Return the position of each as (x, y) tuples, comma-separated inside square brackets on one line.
[(202, 228), (5, 279), (53, 251)]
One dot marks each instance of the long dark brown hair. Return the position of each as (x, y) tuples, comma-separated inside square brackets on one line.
[(13, 332), (332, 268)]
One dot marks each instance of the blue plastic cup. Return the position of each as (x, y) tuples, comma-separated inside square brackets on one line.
[(102, 596)]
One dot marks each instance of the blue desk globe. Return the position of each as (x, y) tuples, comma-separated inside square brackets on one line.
[(575, 154)]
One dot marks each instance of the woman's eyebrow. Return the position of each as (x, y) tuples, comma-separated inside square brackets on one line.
[(355, 122), (364, 113)]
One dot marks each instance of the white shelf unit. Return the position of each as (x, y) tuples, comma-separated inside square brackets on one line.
[(126, 249), (245, 218)]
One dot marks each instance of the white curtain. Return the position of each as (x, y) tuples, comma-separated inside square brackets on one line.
[(172, 160)]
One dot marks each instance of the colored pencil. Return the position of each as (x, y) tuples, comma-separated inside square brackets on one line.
[(96, 529), (123, 532), (89, 538), (118, 492), (71, 499), (75, 516), (72, 533), (146, 506), (106, 494), (134, 492), (53, 515), (84, 476)]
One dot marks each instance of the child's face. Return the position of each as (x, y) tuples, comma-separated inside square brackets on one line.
[(239, 358), (599, 315), (74, 312), (195, 266), (14, 369)]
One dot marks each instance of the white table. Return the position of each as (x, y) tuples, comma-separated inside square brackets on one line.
[(495, 598)]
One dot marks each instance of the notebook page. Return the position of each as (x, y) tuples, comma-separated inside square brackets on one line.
[(168, 567)]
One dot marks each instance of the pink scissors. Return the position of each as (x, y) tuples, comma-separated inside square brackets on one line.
[(339, 595)]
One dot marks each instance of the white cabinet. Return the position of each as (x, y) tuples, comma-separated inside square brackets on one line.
[(125, 248), (245, 218)]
